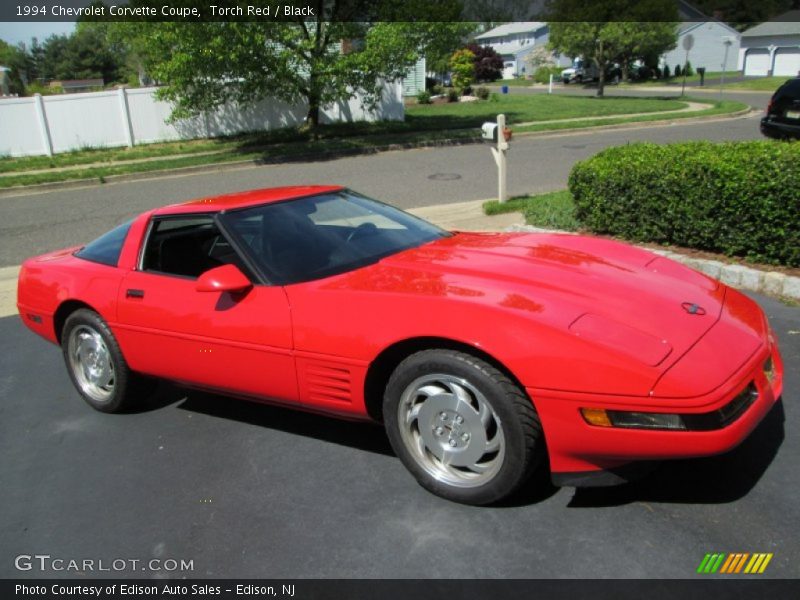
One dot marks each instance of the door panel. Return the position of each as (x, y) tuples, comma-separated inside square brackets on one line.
[(235, 342)]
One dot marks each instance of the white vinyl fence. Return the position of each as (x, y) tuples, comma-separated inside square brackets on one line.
[(125, 117)]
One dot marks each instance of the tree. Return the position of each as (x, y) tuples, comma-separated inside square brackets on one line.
[(743, 14), (441, 48), (462, 64), (589, 30), (328, 58), (488, 64), (642, 41), (540, 56), (85, 54), (14, 58)]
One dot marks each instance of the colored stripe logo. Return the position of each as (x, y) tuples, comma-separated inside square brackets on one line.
[(737, 562)]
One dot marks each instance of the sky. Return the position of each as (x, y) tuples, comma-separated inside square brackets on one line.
[(23, 32)]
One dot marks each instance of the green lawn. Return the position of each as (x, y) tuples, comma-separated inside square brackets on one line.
[(539, 107), (553, 210), (761, 84), (695, 78), (716, 108), (509, 83)]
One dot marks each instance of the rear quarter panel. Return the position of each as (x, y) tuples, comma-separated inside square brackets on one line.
[(47, 281)]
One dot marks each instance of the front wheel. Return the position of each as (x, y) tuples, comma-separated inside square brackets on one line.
[(96, 365), (461, 426)]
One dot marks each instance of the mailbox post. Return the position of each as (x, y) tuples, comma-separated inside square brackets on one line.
[(499, 134)]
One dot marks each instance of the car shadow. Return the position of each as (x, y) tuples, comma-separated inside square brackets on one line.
[(713, 480), (536, 489), (354, 434)]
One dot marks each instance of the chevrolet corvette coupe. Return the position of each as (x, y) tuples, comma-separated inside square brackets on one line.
[(481, 353)]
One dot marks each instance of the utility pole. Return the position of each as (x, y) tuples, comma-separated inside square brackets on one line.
[(727, 41), (688, 42)]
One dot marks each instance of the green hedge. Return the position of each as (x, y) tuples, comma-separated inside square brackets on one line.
[(542, 74), (738, 198)]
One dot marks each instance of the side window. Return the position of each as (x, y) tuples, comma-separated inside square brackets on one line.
[(107, 248), (187, 247)]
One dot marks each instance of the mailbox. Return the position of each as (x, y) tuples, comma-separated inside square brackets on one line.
[(489, 131)]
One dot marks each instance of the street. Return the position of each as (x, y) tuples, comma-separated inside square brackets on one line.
[(34, 223), (248, 490)]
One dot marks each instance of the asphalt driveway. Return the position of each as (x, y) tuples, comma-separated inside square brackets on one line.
[(246, 490)]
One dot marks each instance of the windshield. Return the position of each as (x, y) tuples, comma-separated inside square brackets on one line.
[(319, 236)]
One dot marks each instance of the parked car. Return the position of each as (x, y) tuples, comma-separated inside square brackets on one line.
[(583, 71), (782, 119), (481, 353)]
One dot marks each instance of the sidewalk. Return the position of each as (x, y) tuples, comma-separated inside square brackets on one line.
[(467, 216)]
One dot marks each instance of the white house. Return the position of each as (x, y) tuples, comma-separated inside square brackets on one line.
[(414, 80), (772, 48), (714, 42), (514, 42)]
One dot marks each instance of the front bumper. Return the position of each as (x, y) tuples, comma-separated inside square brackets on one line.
[(580, 451)]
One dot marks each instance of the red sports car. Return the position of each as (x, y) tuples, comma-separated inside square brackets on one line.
[(480, 353)]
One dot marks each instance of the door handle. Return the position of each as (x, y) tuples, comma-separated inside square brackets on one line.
[(131, 293)]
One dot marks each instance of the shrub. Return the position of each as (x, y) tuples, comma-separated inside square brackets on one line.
[(739, 198), (542, 74), (677, 70), (452, 95), (463, 69), (666, 74), (482, 93), (688, 71), (488, 63), (423, 97)]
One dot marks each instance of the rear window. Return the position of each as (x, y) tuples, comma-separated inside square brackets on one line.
[(790, 88), (106, 249)]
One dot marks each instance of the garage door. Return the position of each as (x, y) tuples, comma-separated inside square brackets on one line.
[(756, 62), (787, 61)]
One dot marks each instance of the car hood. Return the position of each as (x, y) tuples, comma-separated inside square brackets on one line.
[(629, 300)]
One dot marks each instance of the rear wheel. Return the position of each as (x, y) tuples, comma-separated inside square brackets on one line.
[(96, 365), (462, 427)]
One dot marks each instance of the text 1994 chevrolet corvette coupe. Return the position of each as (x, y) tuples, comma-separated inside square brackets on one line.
[(479, 352)]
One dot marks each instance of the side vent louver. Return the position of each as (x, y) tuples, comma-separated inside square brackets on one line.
[(328, 383)]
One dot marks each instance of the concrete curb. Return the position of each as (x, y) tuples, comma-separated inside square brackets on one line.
[(772, 283), (26, 190)]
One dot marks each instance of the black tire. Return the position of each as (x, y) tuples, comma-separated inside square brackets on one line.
[(121, 388), (442, 377)]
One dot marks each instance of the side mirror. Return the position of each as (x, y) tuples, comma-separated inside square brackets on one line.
[(227, 278)]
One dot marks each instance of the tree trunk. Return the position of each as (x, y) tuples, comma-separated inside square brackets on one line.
[(600, 61), (312, 117)]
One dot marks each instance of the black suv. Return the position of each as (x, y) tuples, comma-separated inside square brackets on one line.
[(783, 112)]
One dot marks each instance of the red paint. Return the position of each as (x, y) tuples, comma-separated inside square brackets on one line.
[(578, 321)]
